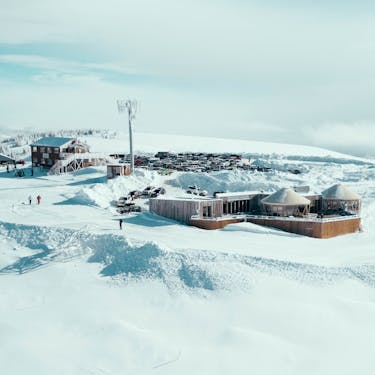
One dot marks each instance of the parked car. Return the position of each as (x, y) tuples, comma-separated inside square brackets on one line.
[(195, 190), (156, 192), (134, 194), (146, 191)]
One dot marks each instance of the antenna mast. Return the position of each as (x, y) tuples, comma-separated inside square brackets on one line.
[(129, 106)]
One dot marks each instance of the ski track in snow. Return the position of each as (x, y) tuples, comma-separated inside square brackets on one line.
[(180, 268)]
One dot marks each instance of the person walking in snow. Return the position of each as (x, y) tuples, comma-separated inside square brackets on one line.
[(38, 198), (30, 199), (120, 223), (7, 168)]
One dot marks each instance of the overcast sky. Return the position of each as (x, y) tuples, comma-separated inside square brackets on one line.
[(272, 70)]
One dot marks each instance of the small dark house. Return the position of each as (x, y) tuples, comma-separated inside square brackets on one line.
[(4, 159)]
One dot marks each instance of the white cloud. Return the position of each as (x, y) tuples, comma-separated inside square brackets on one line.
[(238, 68)]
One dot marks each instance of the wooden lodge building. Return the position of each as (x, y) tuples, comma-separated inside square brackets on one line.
[(334, 212), (60, 155)]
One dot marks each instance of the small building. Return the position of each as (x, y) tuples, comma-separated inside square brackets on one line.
[(285, 202), (48, 150), (339, 199), (184, 208), (4, 159), (115, 170)]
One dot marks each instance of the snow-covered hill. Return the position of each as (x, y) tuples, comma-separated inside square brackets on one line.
[(79, 296)]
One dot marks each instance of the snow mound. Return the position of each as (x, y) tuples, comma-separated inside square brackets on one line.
[(231, 180), (182, 269), (102, 194)]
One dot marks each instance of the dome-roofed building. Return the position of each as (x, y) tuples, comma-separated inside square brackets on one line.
[(285, 202), (338, 198)]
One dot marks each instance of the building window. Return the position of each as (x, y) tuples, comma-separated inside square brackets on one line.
[(45, 156), (207, 211), (35, 149), (42, 149), (57, 150), (49, 150)]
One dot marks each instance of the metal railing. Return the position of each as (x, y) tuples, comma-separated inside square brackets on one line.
[(69, 158), (280, 218)]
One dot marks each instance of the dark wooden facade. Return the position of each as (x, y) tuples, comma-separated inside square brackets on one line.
[(47, 152)]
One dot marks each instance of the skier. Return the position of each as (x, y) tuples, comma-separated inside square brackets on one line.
[(38, 198), (32, 171), (7, 168), (120, 223), (30, 199)]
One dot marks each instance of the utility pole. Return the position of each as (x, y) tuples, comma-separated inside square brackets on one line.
[(129, 106)]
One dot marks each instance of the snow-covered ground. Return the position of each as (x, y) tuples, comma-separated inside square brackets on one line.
[(79, 296)]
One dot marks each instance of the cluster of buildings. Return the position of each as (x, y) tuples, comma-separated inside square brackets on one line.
[(333, 212)]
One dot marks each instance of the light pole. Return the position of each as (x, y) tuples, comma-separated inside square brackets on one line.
[(129, 106)]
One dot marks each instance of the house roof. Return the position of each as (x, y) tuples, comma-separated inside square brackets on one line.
[(285, 197), (340, 192), (5, 158), (52, 141)]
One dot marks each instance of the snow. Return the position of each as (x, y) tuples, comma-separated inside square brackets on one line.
[(79, 296)]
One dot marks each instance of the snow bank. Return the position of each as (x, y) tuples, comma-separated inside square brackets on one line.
[(231, 180), (176, 269), (102, 194)]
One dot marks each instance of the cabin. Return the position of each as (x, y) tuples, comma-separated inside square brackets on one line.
[(62, 155), (48, 150), (4, 159), (115, 170)]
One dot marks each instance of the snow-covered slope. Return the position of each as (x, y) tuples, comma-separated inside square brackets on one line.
[(79, 296), (147, 142)]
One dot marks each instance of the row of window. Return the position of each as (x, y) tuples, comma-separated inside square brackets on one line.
[(46, 162), (56, 150)]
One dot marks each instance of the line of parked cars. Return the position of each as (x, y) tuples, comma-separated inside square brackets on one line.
[(126, 204)]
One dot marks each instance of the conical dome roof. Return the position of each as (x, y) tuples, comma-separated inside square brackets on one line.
[(286, 197), (340, 192)]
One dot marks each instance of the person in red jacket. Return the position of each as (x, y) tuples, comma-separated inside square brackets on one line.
[(38, 198)]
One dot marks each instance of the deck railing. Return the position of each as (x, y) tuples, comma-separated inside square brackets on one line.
[(280, 218)]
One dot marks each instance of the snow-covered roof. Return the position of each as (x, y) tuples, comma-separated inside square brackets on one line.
[(189, 198), (5, 158), (340, 192), (236, 194), (285, 197), (52, 141)]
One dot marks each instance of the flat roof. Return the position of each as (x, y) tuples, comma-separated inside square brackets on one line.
[(239, 194), (52, 141), (188, 198)]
